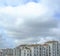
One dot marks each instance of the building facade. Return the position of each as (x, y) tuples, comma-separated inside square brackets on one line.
[(53, 49)]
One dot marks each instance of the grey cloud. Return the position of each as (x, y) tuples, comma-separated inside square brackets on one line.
[(32, 28)]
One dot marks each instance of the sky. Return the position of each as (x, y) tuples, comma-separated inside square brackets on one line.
[(28, 22)]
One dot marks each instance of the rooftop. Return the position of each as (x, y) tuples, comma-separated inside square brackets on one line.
[(51, 41)]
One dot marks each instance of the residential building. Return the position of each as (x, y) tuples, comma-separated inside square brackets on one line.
[(17, 51), (31, 50), (53, 49), (25, 51), (7, 52)]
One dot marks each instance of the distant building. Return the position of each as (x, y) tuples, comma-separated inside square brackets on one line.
[(7, 52)]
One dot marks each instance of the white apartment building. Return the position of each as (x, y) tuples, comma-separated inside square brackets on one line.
[(25, 51), (53, 49), (31, 50)]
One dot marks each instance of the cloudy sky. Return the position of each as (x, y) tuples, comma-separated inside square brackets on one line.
[(28, 21)]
